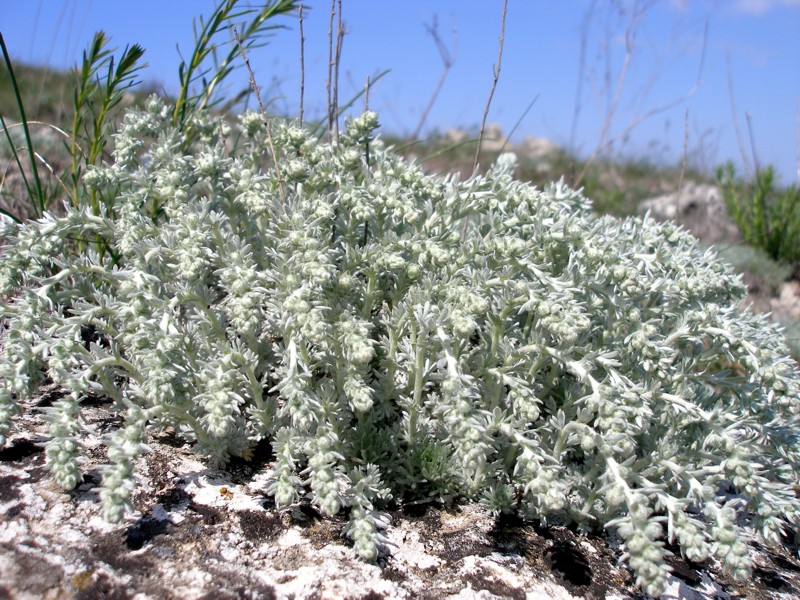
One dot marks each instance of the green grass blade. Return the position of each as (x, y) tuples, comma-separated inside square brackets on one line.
[(255, 28), (3, 211), (17, 160), (37, 200)]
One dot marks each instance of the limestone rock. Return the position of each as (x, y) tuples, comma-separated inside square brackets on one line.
[(700, 208), (204, 533)]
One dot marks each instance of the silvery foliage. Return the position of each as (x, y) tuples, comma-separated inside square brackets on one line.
[(547, 362)]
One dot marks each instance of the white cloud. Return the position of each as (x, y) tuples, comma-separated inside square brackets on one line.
[(760, 7)]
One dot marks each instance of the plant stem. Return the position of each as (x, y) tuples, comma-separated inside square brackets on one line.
[(418, 343), (263, 115)]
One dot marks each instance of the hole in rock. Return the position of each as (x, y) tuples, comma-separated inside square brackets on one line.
[(242, 468), (310, 512), (89, 481), (773, 580), (684, 571), (9, 491), (784, 563), (570, 563), (143, 531), (509, 535), (173, 497), (416, 509), (19, 450)]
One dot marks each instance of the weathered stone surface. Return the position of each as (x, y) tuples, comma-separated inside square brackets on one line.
[(203, 533), (700, 208), (787, 304), (495, 140)]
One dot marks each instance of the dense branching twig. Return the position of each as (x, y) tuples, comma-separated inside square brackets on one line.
[(633, 24), (302, 64), (749, 171), (495, 76), (448, 60), (337, 62), (587, 20), (263, 114), (637, 121), (633, 20)]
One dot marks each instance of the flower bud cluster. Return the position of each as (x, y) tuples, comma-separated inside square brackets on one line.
[(243, 305), (466, 428), (728, 545), (363, 532), (285, 482), (21, 360), (31, 257), (691, 536), (124, 446), (62, 451), (324, 479), (307, 318), (248, 188), (643, 551), (193, 244), (563, 318), (137, 126), (220, 400)]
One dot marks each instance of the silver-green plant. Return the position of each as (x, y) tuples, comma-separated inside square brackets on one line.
[(562, 366)]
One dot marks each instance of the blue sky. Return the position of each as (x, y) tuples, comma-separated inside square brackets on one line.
[(685, 57)]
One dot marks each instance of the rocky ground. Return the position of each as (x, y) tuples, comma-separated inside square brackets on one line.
[(202, 533)]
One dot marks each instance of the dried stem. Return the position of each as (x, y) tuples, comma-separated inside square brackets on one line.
[(748, 119), (587, 20), (685, 159), (797, 140), (330, 68), (447, 62), (496, 75), (339, 39), (519, 121), (263, 114), (366, 156), (675, 102), (623, 72), (739, 138), (302, 63)]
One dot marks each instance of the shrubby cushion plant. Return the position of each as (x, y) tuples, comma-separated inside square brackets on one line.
[(398, 335)]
